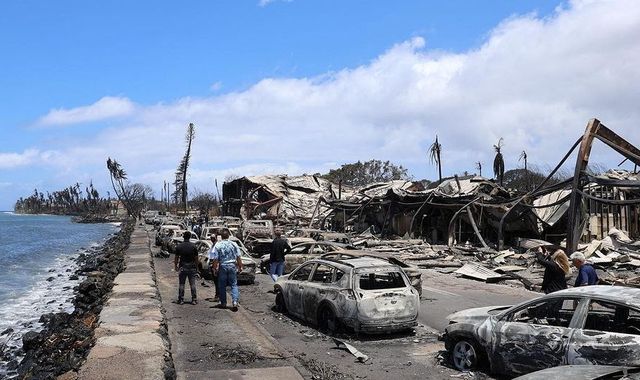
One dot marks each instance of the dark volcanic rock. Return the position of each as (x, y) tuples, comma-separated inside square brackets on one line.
[(65, 340)]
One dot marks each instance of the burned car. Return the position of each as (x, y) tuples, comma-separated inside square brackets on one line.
[(366, 294), (257, 236), (582, 372), (248, 274), (413, 272), (318, 235), (164, 231), (301, 253), (171, 241), (586, 325), (217, 230)]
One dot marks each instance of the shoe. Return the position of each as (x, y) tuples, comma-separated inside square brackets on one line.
[(222, 306), (194, 302), (234, 306), (180, 302)]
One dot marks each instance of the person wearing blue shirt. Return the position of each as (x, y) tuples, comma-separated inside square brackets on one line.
[(227, 262), (586, 274)]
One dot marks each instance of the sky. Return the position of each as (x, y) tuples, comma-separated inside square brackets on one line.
[(303, 86)]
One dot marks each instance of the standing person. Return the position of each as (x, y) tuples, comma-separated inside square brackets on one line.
[(279, 248), (586, 274), (227, 262), (556, 268), (185, 262), (198, 230), (214, 273)]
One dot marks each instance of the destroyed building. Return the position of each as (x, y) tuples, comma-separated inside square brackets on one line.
[(284, 199), (458, 210)]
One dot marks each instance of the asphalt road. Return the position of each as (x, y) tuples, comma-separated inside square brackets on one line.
[(443, 294)]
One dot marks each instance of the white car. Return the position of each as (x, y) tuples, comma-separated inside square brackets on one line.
[(248, 274), (365, 294)]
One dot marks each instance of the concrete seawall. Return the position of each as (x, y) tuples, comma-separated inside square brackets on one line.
[(131, 340)]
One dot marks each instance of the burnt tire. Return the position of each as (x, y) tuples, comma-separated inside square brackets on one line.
[(281, 307), (467, 355), (327, 320)]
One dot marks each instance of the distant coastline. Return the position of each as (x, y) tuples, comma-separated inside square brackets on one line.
[(75, 217)]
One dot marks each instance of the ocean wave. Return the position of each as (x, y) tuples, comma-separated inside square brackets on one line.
[(51, 293), (43, 285)]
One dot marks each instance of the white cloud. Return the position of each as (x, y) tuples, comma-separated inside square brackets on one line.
[(535, 82), (14, 160), (107, 107), (264, 3), (216, 86)]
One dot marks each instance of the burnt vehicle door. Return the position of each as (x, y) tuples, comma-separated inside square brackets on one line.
[(609, 334), (296, 284), (295, 257), (321, 286), (534, 336)]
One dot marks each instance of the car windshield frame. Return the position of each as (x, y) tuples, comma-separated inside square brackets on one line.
[(370, 270), (575, 320)]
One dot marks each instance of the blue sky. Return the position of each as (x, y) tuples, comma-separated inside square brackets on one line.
[(70, 53), (160, 65)]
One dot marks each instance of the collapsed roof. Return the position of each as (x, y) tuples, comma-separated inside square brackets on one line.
[(287, 198)]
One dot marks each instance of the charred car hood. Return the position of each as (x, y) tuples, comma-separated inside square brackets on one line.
[(475, 315)]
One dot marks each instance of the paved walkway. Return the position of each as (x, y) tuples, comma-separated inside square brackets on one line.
[(199, 343), (129, 342), (212, 343)]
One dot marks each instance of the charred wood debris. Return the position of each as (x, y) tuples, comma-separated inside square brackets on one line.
[(469, 225)]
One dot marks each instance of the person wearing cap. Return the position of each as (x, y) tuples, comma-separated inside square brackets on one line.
[(186, 264), (586, 273)]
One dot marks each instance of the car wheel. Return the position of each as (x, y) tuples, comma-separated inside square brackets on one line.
[(466, 355), (281, 307), (327, 320)]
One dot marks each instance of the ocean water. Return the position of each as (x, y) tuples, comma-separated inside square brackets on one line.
[(37, 257)]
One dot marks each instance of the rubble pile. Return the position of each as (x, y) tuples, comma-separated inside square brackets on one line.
[(470, 225), (616, 258)]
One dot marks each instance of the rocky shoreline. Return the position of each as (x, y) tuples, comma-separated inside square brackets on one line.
[(65, 340)]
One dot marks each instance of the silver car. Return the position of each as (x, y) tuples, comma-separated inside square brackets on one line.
[(248, 274), (365, 294), (586, 325)]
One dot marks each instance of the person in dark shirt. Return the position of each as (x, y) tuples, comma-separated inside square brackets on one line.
[(186, 264), (586, 274), (279, 248), (556, 267)]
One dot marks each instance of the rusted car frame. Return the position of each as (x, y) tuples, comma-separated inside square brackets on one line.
[(301, 253)]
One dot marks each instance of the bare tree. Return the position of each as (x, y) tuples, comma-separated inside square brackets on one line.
[(204, 202), (434, 156), (479, 167), (523, 157), (181, 172), (498, 161)]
